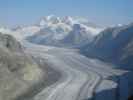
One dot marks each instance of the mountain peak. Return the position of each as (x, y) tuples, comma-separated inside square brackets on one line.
[(51, 19), (67, 20)]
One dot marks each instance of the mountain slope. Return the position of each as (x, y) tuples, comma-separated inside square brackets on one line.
[(18, 72), (114, 45)]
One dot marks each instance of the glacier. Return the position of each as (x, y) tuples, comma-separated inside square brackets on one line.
[(57, 41)]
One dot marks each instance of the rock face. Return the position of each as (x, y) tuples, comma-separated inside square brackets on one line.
[(18, 72), (113, 45)]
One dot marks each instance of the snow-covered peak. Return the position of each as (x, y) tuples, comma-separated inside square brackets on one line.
[(47, 20), (52, 19), (55, 22), (68, 20)]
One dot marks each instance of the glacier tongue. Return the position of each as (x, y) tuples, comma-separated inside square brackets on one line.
[(82, 78)]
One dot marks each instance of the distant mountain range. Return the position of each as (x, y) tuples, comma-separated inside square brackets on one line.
[(66, 31), (113, 45), (57, 31)]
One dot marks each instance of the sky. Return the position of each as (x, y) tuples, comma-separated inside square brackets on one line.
[(100, 12)]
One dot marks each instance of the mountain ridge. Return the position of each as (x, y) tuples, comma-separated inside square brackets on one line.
[(112, 44)]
